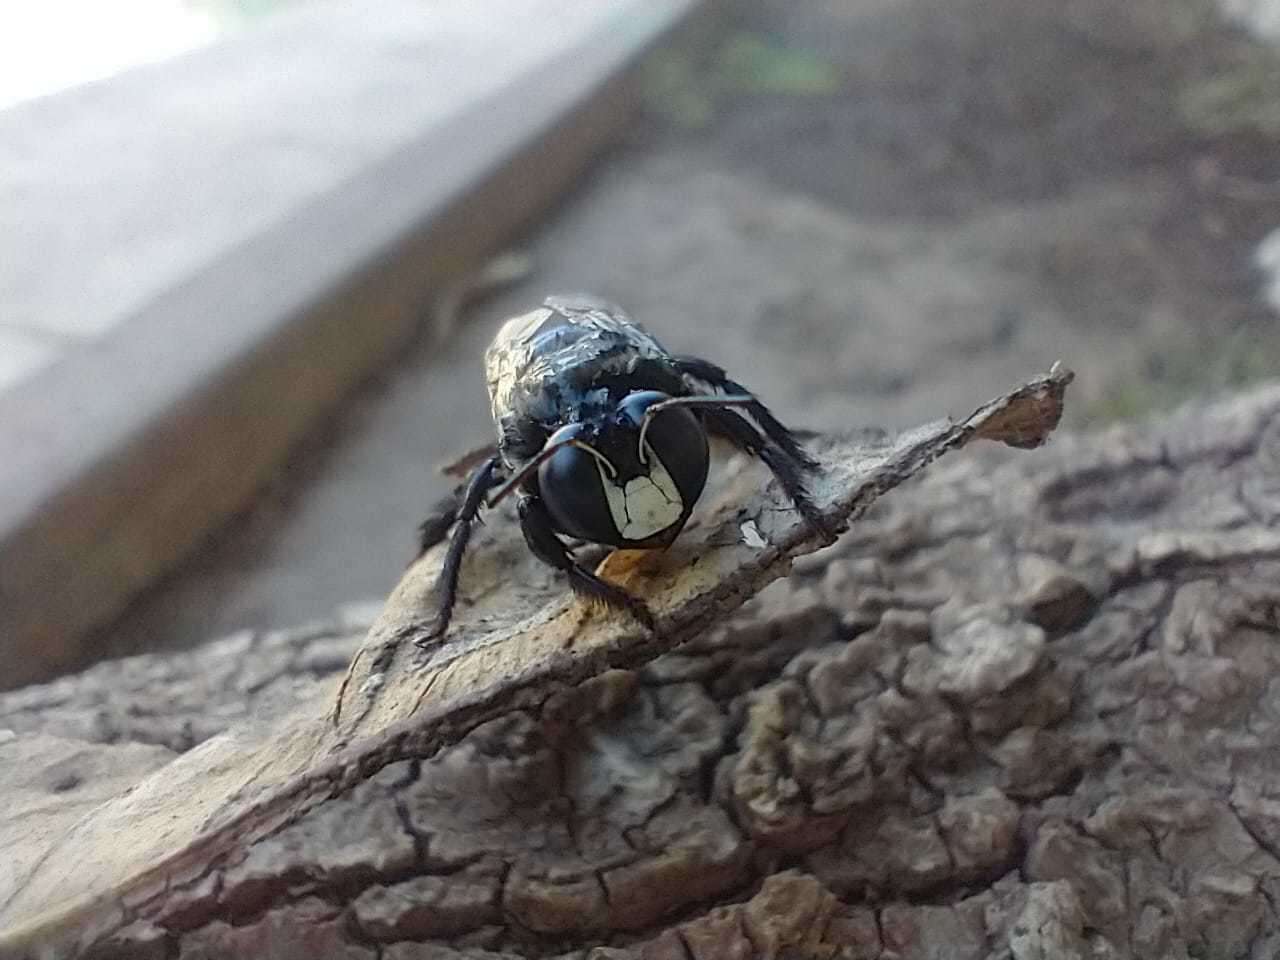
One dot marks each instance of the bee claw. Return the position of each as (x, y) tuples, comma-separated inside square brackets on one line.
[(432, 635)]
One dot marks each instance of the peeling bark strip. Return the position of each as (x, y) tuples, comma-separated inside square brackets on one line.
[(1027, 708), (540, 783)]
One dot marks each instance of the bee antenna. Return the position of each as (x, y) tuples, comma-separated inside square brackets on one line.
[(728, 400), (600, 457), (545, 454)]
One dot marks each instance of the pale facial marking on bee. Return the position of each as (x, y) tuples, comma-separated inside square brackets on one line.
[(646, 505)]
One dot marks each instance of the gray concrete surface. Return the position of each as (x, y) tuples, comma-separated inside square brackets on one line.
[(113, 193), (207, 254), (989, 187)]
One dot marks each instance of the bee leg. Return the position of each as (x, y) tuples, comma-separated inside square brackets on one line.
[(746, 437), (714, 376), (547, 547), (466, 513)]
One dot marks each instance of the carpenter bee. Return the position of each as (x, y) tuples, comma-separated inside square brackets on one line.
[(602, 437)]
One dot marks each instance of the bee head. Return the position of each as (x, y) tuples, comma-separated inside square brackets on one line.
[(630, 480)]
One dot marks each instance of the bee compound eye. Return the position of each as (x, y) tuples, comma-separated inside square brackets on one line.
[(633, 405), (573, 491)]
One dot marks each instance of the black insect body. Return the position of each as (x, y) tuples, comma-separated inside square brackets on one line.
[(602, 435)]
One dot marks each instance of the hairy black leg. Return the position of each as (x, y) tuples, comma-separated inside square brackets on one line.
[(447, 585), (547, 547), (742, 434), (715, 376)]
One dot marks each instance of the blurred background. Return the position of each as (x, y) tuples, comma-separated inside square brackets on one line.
[(873, 212), (53, 46)]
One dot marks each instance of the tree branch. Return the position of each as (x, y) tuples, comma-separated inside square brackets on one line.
[(194, 844)]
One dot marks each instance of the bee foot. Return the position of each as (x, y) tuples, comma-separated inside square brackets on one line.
[(431, 634)]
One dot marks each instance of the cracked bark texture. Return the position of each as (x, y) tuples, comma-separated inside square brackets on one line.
[(1026, 708)]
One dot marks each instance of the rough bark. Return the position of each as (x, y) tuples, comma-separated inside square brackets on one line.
[(1025, 708)]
